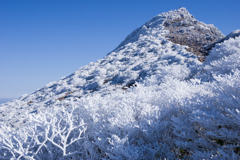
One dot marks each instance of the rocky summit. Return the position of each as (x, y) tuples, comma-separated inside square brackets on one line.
[(184, 29)]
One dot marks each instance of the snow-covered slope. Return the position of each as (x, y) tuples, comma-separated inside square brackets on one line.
[(147, 51), (149, 98)]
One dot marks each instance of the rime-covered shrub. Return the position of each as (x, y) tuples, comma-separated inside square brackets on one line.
[(55, 134), (163, 117)]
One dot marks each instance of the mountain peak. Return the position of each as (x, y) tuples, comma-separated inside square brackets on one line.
[(184, 29), (163, 46), (180, 27)]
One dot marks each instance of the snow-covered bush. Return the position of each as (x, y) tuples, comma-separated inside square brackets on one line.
[(163, 117), (55, 134)]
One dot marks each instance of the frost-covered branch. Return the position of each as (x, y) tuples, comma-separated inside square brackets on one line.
[(55, 127)]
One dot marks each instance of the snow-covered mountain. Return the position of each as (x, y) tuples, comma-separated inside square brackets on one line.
[(149, 50), (156, 85)]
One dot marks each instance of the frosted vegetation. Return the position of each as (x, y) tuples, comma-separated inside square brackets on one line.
[(149, 98)]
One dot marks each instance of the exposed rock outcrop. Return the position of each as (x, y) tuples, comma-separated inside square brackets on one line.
[(184, 29), (231, 35)]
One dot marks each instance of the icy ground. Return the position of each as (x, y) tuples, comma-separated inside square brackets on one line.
[(149, 98)]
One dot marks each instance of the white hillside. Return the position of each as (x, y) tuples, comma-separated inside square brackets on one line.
[(144, 53), (149, 98)]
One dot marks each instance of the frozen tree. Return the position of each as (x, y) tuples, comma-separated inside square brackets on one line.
[(58, 132)]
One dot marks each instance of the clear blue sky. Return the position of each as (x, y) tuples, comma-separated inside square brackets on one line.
[(42, 40)]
